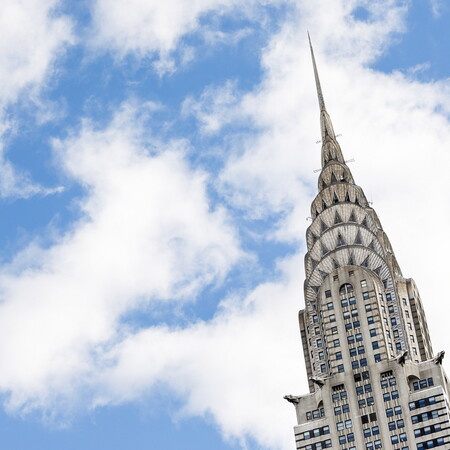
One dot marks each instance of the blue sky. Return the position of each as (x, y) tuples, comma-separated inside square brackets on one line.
[(156, 173)]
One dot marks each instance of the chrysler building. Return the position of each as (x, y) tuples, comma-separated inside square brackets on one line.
[(374, 380)]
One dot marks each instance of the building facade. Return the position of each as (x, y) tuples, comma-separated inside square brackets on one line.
[(373, 378)]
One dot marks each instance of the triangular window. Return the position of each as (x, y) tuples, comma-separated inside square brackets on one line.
[(358, 240), (347, 197), (333, 178), (365, 263), (323, 226), (352, 217), (351, 261), (337, 218), (340, 240), (335, 198)]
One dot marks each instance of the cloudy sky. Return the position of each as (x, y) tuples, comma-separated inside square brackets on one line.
[(156, 171)]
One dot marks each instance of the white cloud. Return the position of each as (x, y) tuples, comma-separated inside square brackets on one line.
[(148, 233), (235, 368), (437, 8), (146, 28), (33, 36)]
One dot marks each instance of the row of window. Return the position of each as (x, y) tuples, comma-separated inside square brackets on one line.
[(316, 414), (360, 390), (424, 402), (428, 430), (316, 432), (366, 401), (371, 431), (344, 439), (318, 445), (423, 384), (374, 444), (386, 382), (341, 409), (396, 438), (344, 424), (395, 410), (431, 443), (388, 396), (426, 416), (400, 423)]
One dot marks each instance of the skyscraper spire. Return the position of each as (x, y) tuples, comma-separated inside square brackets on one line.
[(330, 147), (316, 76)]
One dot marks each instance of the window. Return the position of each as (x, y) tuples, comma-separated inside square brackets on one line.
[(338, 355), (340, 426), (403, 437), (327, 294), (411, 338), (345, 408), (368, 387), (389, 412), (330, 306), (377, 357), (386, 396), (394, 439), (321, 355), (348, 326), (363, 283), (334, 330), (370, 401), (368, 308), (375, 430), (356, 324), (357, 377), (344, 302), (358, 337), (367, 433), (398, 410), (315, 319), (335, 278), (370, 320), (319, 342), (342, 440), (340, 368), (375, 345), (391, 426), (363, 362), (351, 339), (365, 295), (359, 390), (388, 297), (365, 375), (373, 332), (346, 315), (354, 312), (355, 365), (393, 321), (396, 333), (394, 395), (409, 326), (348, 423), (398, 345), (362, 403), (352, 352), (361, 350), (332, 318), (336, 343), (323, 368)]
